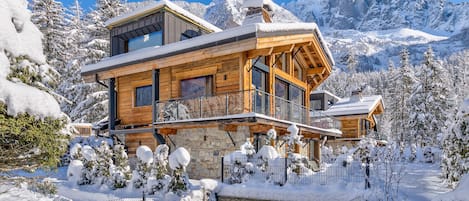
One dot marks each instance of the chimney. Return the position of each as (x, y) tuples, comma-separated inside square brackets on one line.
[(259, 11), (356, 96)]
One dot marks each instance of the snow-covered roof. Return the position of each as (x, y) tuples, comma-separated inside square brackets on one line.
[(257, 3), (346, 106), (204, 41), (326, 92), (158, 5)]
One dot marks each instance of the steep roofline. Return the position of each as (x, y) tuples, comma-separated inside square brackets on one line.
[(348, 112)]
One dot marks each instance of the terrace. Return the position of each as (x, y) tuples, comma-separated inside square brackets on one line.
[(242, 108)]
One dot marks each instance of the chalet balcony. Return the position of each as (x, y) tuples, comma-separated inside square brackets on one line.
[(241, 106)]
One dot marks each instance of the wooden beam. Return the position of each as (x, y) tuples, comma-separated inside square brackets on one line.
[(260, 128), (309, 55), (315, 71), (260, 52), (286, 48), (228, 127), (167, 131)]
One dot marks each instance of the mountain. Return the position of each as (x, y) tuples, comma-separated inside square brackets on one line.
[(374, 31)]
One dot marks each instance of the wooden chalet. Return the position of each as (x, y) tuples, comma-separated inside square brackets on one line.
[(175, 78), (357, 113)]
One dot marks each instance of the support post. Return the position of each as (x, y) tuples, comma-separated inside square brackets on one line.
[(112, 105), (222, 168), (317, 150)]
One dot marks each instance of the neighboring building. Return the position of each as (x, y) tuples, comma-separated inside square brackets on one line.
[(357, 113), (174, 78)]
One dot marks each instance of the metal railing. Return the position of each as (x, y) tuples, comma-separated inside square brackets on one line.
[(241, 102)]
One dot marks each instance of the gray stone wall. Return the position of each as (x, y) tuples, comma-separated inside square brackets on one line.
[(207, 146)]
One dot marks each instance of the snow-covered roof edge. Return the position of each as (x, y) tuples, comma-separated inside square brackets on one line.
[(363, 109), (238, 33), (326, 92), (155, 6)]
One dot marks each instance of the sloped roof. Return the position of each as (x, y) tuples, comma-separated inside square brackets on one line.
[(140, 12), (204, 41), (345, 106)]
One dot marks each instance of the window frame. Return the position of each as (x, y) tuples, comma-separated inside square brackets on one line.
[(135, 102), (127, 42)]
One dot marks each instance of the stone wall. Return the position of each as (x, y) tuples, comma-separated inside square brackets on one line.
[(207, 146)]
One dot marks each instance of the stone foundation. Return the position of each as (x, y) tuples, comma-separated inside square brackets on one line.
[(207, 146)]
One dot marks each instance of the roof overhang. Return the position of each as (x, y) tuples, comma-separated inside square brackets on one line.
[(256, 39)]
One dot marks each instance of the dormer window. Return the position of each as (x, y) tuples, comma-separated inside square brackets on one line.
[(146, 40)]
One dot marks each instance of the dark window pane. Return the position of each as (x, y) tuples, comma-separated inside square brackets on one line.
[(297, 95), (196, 87), (143, 96), (281, 89), (147, 40)]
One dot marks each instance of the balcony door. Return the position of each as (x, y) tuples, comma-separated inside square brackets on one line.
[(260, 94)]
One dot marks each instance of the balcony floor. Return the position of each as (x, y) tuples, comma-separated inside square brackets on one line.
[(245, 119)]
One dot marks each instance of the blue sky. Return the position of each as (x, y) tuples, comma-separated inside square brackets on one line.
[(86, 4)]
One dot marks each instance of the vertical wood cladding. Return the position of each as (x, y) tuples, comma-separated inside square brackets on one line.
[(175, 28)]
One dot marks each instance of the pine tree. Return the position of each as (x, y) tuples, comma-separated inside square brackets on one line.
[(91, 105), (455, 161), (401, 88), (439, 93), (121, 173), (48, 15), (104, 163), (32, 135)]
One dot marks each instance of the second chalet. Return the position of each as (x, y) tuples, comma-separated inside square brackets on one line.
[(174, 78)]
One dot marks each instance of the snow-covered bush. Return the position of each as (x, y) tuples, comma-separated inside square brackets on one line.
[(178, 161), (46, 187), (143, 167), (298, 168), (271, 135), (159, 181), (264, 155), (89, 171), (293, 138), (327, 154), (120, 173), (428, 155), (248, 149), (75, 152), (240, 168), (366, 150), (104, 163), (74, 171)]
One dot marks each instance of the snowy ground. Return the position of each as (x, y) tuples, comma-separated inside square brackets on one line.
[(420, 182)]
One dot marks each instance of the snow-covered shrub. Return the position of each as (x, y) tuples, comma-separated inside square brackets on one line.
[(178, 161), (366, 150), (89, 171), (240, 168), (46, 187), (159, 180), (413, 152), (75, 152), (74, 171), (209, 187), (143, 167), (293, 138), (104, 163), (120, 173), (297, 168), (271, 135), (265, 154), (327, 154), (248, 149)]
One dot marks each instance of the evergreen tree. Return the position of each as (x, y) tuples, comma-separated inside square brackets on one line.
[(91, 105), (31, 124), (455, 161), (104, 163), (121, 173), (48, 15), (440, 97), (401, 88)]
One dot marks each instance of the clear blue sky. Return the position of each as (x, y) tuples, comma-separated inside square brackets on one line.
[(87, 4)]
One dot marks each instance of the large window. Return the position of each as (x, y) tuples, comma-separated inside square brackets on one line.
[(282, 62), (259, 80), (196, 87), (143, 41), (143, 96)]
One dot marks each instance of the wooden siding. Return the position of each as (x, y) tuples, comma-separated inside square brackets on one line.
[(175, 26), (350, 128), (133, 141), (126, 110), (225, 71)]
